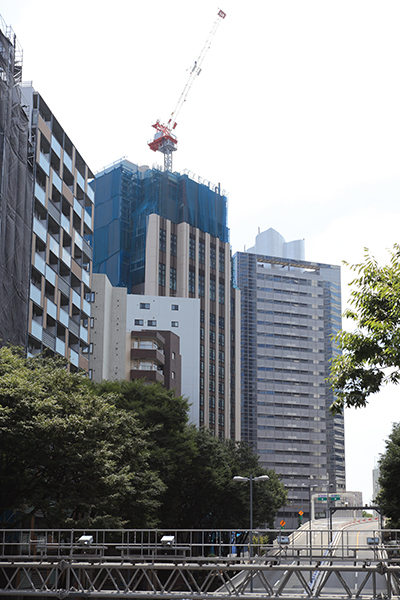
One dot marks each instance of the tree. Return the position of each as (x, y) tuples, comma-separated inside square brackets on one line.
[(196, 467), (389, 480), (370, 354), (68, 451), (172, 441)]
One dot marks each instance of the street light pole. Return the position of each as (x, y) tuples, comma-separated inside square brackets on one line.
[(251, 479)]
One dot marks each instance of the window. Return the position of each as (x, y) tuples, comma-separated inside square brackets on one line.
[(202, 350), (201, 251), (221, 293), (212, 289), (212, 257), (221, 260), (145, 305), (139, 322), (163, 240), (212, 353), (221, 339), (212, 319), (147, 345), (173, 375), (212, 370), (146, 366), (89, 296), (92, 322), (192, 247), (201, 315), (174, 323), (173, 244), (173, 355), (222, 323), (172, 279), (152, 323), (212, 337), (90, 374), (161, 274), (175, 307), (192, 282), (201, 285)]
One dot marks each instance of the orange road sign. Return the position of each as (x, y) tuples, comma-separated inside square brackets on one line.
[(282, 523), (301, 512)]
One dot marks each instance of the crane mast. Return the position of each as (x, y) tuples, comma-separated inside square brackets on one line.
[(165, 140)]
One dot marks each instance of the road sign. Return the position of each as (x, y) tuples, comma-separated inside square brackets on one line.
[(301, 513), (335, 497), (282, 523), (322, 498)]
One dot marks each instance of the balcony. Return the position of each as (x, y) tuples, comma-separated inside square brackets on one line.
[(150, 376), (148, 355)]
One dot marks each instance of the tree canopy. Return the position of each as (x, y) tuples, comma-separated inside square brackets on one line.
[(117, 454), (196, 467), (371, 353), (68, 452), (389, 480)]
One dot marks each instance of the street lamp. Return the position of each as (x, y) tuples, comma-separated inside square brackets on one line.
[(251, 479), (311, 486)]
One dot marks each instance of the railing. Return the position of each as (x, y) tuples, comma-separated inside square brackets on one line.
[(223, 544), (192, 564)]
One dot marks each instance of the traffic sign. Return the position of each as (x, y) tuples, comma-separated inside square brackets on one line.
[(322, 498), (282, 523), (335, 497), (301, 513)]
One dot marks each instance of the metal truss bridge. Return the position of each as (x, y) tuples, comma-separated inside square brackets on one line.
[(352, 561)]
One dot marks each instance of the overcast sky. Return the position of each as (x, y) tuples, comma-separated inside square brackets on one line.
[(296, 114)]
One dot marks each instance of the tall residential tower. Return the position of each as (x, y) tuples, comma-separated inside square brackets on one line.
[(290, 310), (45, 222)]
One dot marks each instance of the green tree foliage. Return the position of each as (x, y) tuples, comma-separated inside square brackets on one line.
[(389, 479), (197, 468), (117, 454), (69, 452), (371, 353)]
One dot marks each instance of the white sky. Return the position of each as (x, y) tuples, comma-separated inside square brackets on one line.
[(296, 114)]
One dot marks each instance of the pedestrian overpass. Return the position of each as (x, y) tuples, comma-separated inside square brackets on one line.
[(357, 560)]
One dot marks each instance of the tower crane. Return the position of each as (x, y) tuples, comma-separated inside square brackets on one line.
[(165, 140)]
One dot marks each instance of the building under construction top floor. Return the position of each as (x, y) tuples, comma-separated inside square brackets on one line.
[(126, 194)]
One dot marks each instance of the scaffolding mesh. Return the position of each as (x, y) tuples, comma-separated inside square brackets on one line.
[(126, 195), (16, 196)]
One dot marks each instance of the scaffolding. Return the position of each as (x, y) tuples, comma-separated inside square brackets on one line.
[(127, 194)]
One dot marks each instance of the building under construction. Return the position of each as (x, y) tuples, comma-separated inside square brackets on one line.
[(16, 194), (164, 234)]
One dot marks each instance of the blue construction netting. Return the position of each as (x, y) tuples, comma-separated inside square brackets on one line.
[(125, 196)]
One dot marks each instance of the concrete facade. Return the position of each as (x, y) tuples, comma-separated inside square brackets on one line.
[(290, 309)]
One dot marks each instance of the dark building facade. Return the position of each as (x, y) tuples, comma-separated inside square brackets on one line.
[(16, 194)]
